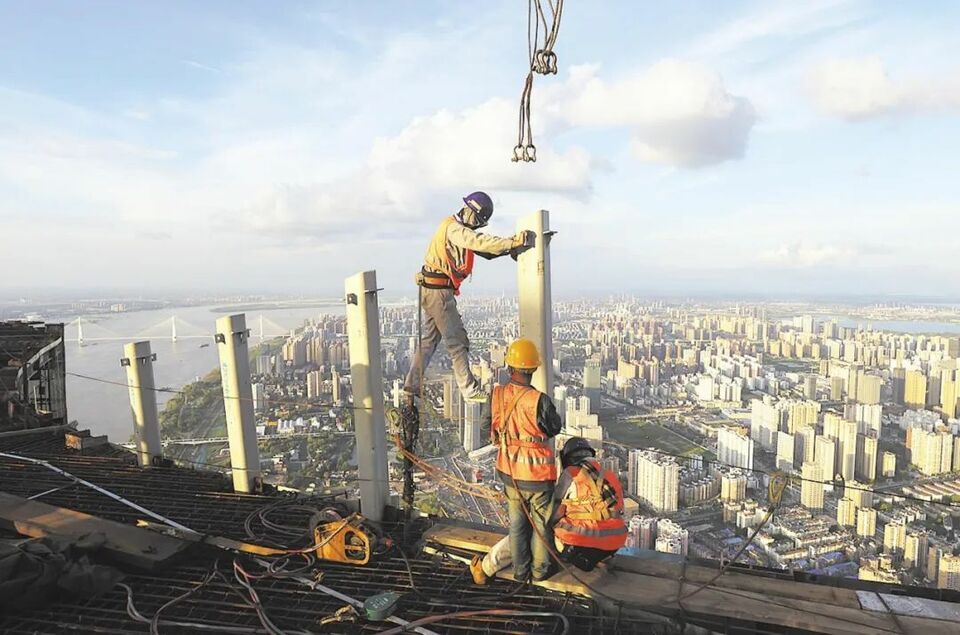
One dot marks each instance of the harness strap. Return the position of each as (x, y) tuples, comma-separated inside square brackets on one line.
[(596, 504)]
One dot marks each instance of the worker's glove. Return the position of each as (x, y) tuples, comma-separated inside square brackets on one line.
[(522, 241)]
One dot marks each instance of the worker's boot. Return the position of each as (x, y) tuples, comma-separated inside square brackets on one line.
[(476, 570)]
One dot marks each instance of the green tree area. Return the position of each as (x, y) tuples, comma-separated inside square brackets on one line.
[(196, 411)]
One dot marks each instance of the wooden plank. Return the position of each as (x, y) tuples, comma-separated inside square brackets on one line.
[(656, 584), (463, 537), (654, 593), (125, 544), (737, 580)]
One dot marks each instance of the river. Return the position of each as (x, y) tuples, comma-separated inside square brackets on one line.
[(901, 326), (105, 408)]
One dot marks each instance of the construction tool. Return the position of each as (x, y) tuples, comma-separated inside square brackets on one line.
[(347, 540)]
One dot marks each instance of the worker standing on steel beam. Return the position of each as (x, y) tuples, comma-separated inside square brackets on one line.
[(522, 423), (447, 263), (587, 515)]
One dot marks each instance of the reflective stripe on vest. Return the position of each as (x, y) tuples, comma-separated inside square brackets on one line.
[(589, 520), (525, 453), (443, 257)]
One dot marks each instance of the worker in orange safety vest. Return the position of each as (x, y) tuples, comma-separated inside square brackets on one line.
[(523, 422), (447, 263), (587, 518)]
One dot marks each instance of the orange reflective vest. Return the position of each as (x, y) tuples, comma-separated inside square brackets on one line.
[(589, 520), (526, 453), (454, 262)]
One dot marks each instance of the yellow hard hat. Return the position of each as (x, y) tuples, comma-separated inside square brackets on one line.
[(522, 355)]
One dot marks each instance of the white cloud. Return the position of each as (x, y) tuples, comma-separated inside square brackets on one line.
[(431, 162), (809, 255), (679, 113), (781, 21), (858, 88)]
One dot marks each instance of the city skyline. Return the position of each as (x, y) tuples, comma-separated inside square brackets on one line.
[(745, 149)]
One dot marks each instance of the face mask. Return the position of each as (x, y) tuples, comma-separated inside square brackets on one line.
[(471, 219)]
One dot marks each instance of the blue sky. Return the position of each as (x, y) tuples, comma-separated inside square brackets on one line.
[(735, 147)]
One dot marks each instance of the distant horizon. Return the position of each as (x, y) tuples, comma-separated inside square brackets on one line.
[(13, 297)]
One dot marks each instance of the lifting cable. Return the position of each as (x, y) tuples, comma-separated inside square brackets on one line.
[(541, 60)]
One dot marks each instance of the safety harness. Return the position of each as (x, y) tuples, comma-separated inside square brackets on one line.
[(450, 274), (524, 457), (598, 501)]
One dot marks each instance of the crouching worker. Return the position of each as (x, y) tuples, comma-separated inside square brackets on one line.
[(587, 521)]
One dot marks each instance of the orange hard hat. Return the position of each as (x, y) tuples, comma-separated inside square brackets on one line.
[(522, 355)]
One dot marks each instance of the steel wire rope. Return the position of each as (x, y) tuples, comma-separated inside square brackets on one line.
[(219, 628), (237, 398), (539, 61), (775, 496), (431, 619)]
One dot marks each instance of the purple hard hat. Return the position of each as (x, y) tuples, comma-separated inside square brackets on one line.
[(481, 204)]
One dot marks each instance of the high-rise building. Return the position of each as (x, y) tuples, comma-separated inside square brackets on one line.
[(948, 576), (868, 389), (889, 465), (948, 393), (592, 383), (831, 424), (915, 550), (860, 494), (336, 388), (765, 420), (811, 488), (735, 447), (452, 401), (931, 452), (658, 481), (866, 522), (314, 384), (915, 389), (894, 536), (846, 513), (641, 532), (733, 486), (810, 387), (805, 445), (869, 417), (836, 388), (899, 385), (259, 397), (934, 553), (801, 413), (672, 538), (867, 457), (826, 456), (785, 448), (848, 449), (472, 437)]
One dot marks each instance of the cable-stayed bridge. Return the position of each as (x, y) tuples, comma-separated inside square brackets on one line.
[(173, 328)]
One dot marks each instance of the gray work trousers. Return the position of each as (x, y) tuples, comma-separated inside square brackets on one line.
[(441, 320)]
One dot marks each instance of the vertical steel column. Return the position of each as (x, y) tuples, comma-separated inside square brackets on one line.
[(363, 329), (536, 302), (138, 360), (231, 338)]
